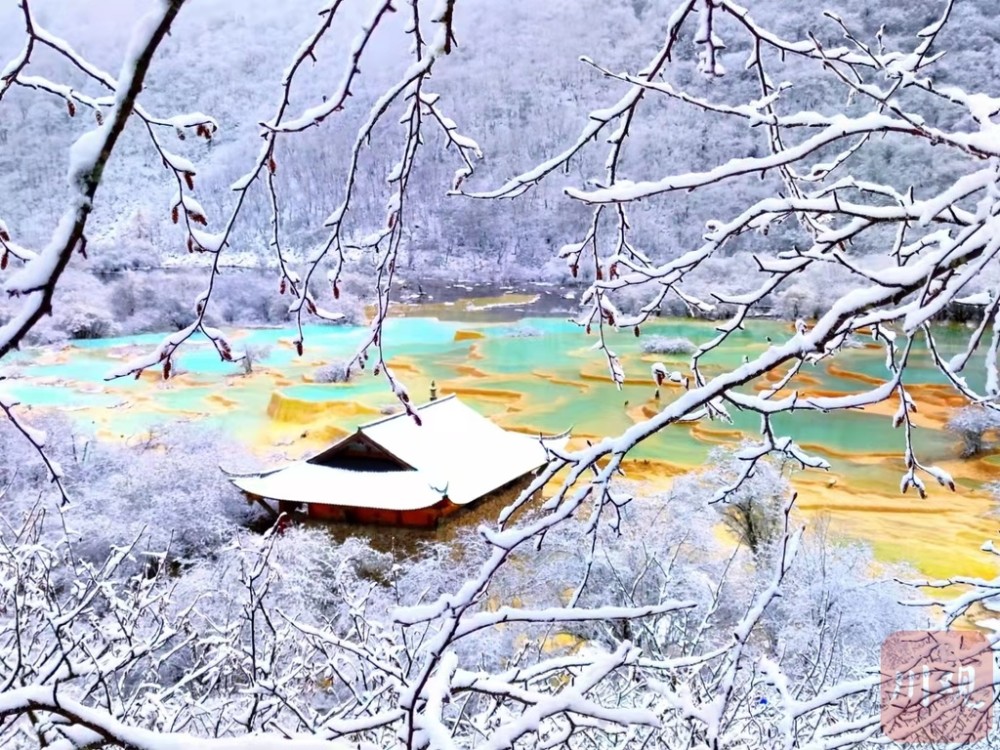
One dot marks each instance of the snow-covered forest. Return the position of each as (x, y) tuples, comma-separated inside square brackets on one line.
[(834, 164), (515, 83)]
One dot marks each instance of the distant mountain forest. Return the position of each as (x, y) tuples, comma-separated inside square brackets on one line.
[(515, 83)]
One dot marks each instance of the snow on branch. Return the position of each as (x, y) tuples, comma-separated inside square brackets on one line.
[(37, 280), (37, 439)]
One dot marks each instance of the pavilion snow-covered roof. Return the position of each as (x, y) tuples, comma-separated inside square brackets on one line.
[(304, 482), (455, 452)]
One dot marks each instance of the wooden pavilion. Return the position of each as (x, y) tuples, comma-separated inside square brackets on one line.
[(396, 472)]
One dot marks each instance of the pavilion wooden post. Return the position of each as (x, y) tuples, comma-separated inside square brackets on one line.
[(260, 501)]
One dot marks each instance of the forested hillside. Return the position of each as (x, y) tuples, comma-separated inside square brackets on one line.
[(515, 84)]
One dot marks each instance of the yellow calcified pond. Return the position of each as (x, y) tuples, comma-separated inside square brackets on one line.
[(542, 374)]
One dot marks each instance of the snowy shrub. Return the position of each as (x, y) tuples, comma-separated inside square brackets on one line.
[(83, 310), (667, 345), (153, 301), (335, 372), (166, 489), (159, 492), (89, 324), (249, 297), (352, 308), (132, 243), (974, 424), (252, 355), (317, 574), (798, 301), (523, 331), (811, 294), (751, 506)]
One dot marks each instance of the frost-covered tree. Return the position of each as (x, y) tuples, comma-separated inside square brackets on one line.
[(842, 154), (753, 507), (251, 356), (973, 424)]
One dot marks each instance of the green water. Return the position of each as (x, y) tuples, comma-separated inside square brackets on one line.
[(545, 370), (549, 382)]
